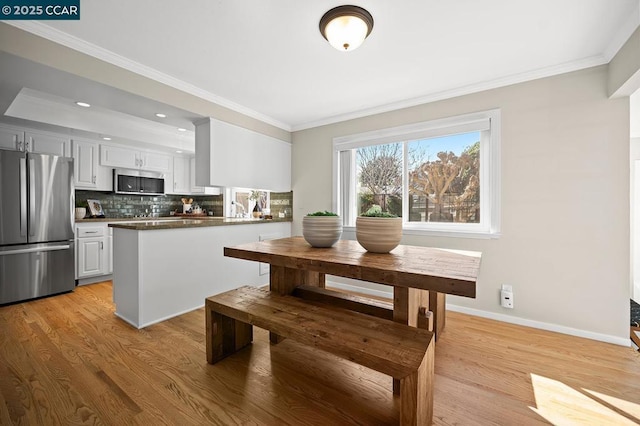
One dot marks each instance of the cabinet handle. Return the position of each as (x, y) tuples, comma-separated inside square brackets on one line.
[(93, 179), (101, 245), (27, 145), (90, 232), (20, 146)]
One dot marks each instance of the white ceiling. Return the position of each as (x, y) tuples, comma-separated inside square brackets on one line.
[(266, 58)]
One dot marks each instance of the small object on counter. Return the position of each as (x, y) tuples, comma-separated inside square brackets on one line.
[(81, 212)]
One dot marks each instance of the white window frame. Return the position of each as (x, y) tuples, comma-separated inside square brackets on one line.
[(490, 180)]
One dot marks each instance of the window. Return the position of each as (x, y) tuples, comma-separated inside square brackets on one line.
[(441, 176)]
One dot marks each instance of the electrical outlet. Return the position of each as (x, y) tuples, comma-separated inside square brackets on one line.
[(506, 296)]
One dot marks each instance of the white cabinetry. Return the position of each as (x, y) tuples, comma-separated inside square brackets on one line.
[(228, 155), (115, 156), (181, 178), (85, 165), (11, 138), (88, 174), (91, 246), (47, 143), (32, 141)]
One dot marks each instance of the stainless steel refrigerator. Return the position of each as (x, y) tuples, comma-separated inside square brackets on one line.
[(36, 225)]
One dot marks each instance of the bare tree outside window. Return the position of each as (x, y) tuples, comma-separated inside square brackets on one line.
[(380, 177), (446, 188)]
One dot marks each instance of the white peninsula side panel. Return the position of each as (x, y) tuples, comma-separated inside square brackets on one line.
[(159, 274)]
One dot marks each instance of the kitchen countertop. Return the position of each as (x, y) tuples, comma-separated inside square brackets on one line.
[(146, 224)]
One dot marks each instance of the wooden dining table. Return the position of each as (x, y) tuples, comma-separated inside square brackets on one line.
[(420, 276)]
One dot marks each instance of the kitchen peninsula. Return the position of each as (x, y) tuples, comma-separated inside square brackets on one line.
[(164, 268)]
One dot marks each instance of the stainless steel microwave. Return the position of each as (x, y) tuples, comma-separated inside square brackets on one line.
[(138, 182)]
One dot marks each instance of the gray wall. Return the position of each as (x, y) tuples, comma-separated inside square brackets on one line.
[(565, 200)]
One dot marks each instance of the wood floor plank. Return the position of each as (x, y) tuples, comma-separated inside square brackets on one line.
[(69, 360)]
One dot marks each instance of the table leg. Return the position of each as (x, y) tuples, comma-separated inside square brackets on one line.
[(284, 280), (437, 305), (406, 310)]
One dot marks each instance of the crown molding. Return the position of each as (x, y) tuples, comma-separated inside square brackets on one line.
[(108, 56), (461, 91), (622, 35)]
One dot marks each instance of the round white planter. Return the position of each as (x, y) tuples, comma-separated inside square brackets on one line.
[(379, 234), (321, 231)]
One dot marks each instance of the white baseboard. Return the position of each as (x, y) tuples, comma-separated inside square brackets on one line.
[(500, 317), (541, 325)]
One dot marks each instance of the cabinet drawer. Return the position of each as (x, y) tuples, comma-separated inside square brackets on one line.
[(92, 231)]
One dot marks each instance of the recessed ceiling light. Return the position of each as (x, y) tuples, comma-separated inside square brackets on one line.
[(178, 151), (180, 129), (106, 138), (83, 104), (161, 115)]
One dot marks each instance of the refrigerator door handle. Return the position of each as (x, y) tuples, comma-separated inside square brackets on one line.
[(34, 250), (23, 197), (32, 197)]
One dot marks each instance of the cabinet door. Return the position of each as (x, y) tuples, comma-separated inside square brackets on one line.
[(155, 162), (113, 156), (11, 138), (90, 256), (181, 178), (44, 143), (85, 166)]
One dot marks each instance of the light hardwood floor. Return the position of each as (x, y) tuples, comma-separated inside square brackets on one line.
[(69, 360)]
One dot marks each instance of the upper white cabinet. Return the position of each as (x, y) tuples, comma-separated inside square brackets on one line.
[(88, 174), (11, 138), (85, 165), (47, 143), (115, 156), (228, 155), (181, 181), (30, 141)]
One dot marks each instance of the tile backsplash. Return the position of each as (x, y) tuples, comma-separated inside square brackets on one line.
[(122, 205)]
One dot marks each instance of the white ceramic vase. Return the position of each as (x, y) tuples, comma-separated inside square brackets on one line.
[(322, 231), (379, 234), (80, 212)]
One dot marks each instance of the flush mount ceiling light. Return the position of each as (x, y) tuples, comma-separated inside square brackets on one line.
[(83, 104), (346, 27), (161, 115), (106, 138)]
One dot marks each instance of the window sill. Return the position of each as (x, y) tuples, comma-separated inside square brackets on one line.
[(443, 233)]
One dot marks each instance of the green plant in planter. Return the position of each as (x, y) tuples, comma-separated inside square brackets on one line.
[(322, 228), (324, 213), (378, 231), (376, 211)]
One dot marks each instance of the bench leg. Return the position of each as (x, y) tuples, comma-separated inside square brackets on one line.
[(224, 335), (416, 393)]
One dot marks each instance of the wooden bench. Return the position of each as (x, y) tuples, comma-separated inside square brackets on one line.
[(403, 352), (362, 304)]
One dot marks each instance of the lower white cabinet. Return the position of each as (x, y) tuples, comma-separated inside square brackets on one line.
[(93, 250)]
